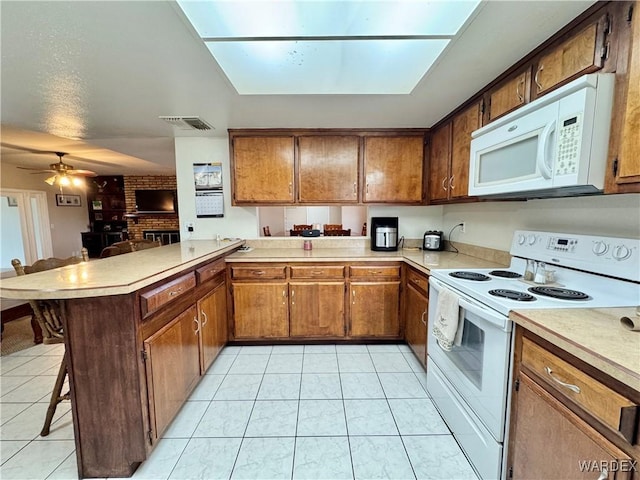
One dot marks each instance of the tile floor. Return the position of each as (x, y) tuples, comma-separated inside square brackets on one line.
[(263, 412)]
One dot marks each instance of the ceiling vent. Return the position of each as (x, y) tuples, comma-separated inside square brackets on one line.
[(187, 123)]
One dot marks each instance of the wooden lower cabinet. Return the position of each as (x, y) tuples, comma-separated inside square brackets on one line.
[(212, 315), (260, 310), (173, 368), (550, 441), (375, 309), (316, 309), (415, 328)]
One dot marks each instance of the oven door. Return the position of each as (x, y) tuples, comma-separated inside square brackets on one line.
[(479, 367)]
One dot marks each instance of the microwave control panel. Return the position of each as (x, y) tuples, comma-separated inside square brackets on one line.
[(568, 152)]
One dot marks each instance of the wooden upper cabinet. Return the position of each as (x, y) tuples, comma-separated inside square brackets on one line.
[(581, 53), (328, 169), (263, 169), (509, 95), (393, 169), (439, 160), (463, 124)]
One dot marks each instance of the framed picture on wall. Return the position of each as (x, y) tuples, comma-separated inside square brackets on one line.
[(64, 200)]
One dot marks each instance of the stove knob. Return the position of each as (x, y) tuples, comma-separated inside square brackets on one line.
[(621, 252), (600, 248), (532, 239), (521, 239)]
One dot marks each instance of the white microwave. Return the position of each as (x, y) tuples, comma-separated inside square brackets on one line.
[(555, 146)]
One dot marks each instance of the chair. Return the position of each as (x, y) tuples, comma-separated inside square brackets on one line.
[(296, 231), (331, 227), (128, 246), (337, 233), (266, 232), (48, 315)]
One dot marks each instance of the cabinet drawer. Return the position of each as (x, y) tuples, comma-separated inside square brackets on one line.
[(238, 273), (210, 270), (418, 280), (361, 271), (331, 271), (152, 300), (611, 408)]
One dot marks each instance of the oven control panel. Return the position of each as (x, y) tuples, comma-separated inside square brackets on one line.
[(613, 256)]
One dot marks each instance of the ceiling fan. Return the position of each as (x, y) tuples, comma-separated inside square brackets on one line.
[(64, 174)]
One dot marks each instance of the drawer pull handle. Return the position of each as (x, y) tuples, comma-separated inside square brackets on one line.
[(573, 388), (316, 272), (258, 272), (197, 330), (535, 78), (206, 319), (375, 272), (604, 474), (444, 187), (422, 318), (175, 292), (354, 297)]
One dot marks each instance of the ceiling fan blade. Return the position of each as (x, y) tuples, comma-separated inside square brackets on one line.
[(84, 173), (39, 170)]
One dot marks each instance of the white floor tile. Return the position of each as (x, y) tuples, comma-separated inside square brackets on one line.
[(438, 457), (347, 348), (221, 365), (380, 457), (68, 470), (361, 385), (325, 458), (281, 363), (187, 420), (413, 362), (37, 460), (256, 350), (8, 448), (227, 418), (250, 363), (422, 378), (321, 418), (273, 418), (417, 417), (61, 429), (383, 348), (320, 363), (37, 365), (10, 410), (207, 387), (207, 458), (390, 362), (30, 391), (319, 349), (280, 386), (9, 383), (28, 424), (401, 385), (230, 350), (285, 349), (239, 387), (265, 458), (403, 347), (355, 362), (320, 386), (162, 460), (369, 417), (11, 362)]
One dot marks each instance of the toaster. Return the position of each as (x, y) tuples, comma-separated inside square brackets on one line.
[(433, 240)]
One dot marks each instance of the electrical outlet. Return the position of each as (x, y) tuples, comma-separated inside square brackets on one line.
[(189, 227), (463, 227)]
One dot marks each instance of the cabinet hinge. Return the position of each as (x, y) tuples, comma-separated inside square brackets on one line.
[(607, 24), (516, 385), (630, 14), (604, 52), (510, 472), (143, 354), (615, 167), (482, 107), (150, 435)]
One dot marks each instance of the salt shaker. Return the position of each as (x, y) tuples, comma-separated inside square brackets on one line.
[(528, 272), (541, 274)]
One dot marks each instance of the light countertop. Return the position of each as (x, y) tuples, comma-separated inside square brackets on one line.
[(121, 274), (593, 335)]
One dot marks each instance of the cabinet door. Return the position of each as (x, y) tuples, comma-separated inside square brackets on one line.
[(260, 310), (173, 368), (508, 96), (439, 160), (579, 54), (212, 311), (375, 309), (560, 446), (393, 169), (328, 169), (263, 169), (463, 124), (416, 323), (316, 309)]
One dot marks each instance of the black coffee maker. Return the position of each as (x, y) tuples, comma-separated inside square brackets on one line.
[(384, 234)]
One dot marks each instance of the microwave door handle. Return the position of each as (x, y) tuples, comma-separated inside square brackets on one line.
[(545, 151)]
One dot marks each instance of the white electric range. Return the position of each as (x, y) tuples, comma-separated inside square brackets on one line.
[(470, 383)]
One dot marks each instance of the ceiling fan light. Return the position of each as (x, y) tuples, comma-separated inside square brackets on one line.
[(51, 180), (64, 181), (77, 181)]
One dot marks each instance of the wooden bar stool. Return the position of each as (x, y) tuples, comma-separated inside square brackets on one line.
[(48, 316)]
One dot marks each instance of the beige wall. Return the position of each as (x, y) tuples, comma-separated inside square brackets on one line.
[(66, 222)]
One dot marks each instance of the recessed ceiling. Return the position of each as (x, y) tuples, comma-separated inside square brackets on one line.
[(355, 47)]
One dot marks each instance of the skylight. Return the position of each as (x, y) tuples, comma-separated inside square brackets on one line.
[(326, 47)]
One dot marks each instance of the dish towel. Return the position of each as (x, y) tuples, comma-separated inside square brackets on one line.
[(447, 327)]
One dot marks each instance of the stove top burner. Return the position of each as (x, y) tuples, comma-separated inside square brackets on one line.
[(505, 274), (561, 293), (512, 295), (475, 276)]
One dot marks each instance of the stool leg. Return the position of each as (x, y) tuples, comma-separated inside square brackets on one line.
[(56, 396)]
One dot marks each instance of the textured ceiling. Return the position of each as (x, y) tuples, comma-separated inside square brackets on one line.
[(92, 78)]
